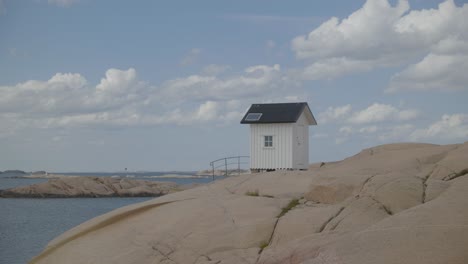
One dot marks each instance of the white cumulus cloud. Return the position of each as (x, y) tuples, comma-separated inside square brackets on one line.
[(122, 99), (380, 35), (331, 68), (334, 113), (434, 72), (208, 111), (449, 127), (367, 35), (256, 81), (376, 112), (382, 112)]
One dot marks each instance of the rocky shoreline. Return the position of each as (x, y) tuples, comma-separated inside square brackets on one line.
[(91, 187)]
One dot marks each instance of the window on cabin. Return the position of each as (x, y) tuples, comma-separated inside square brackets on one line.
[(253, 116), (268, 141)]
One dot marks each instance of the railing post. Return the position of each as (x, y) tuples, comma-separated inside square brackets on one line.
[(225, 167), (217, 164), (212, 166)]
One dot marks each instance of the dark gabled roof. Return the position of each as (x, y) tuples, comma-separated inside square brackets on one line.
[(278, 113)]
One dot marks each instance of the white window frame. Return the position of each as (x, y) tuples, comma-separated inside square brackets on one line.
[(268, 141)]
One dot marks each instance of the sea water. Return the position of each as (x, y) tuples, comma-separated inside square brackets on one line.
[(27, 225)]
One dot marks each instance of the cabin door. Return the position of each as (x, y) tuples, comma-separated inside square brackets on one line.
[(300, 161)]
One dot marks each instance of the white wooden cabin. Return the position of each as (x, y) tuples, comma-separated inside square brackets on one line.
[(279, 136)]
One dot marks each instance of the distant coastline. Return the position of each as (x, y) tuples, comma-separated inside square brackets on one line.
[(102, 184), (60, 186), (61, 176), (19, 174)]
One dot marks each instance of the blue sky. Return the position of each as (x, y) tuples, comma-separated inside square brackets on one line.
[(90, 85)]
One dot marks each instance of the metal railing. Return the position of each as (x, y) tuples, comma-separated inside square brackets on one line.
[(225, 162)]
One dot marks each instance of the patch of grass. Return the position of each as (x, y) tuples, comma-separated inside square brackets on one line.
[(293, 203), (268, 196), (263, 245), (252, 193)]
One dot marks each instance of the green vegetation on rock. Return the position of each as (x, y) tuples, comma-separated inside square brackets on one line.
[(293, 203), (252, 193)]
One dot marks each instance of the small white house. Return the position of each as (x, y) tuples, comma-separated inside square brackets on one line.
[(279, 136)]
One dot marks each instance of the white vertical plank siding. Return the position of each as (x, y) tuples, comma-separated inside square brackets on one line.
[(293, 145), (306, 147), (277, 157), (290, 145)]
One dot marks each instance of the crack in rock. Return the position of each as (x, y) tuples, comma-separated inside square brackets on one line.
[(272, 234), (324, 225), (165, 255), (388, 211), (424, 182), (365, 182), (336, 225), (269, 240), (455, 175)]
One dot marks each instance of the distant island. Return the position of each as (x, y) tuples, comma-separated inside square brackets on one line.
[(13, 172), (82, 186), (180, 175)]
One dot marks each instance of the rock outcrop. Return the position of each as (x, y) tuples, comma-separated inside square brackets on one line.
[(73, 186), (13, 172), (397, 203)]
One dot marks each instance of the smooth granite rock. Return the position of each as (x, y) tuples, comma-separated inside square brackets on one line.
[(397, 203)]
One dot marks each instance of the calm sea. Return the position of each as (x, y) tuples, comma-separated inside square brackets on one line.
[(27, 225)]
